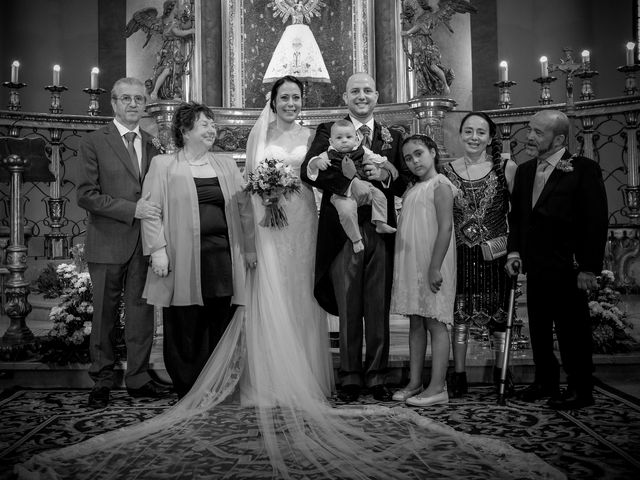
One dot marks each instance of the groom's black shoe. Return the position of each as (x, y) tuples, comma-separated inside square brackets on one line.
[(150, 389), (571, 400), (349, 393), (381, 393), (536, 391)]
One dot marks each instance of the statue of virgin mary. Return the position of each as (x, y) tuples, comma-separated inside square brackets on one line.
[(297, 52)]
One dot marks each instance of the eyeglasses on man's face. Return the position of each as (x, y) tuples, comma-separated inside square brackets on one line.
[(127, 99)]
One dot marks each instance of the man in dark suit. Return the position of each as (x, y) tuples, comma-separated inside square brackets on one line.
[(356, 285), (558, 229), (113, 162)]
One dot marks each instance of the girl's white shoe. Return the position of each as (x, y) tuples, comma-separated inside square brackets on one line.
[(438, 398), (402, 395)]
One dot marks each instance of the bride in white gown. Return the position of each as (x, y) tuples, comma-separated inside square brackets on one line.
[(275, 354)]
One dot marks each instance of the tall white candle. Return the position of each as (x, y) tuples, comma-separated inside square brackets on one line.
[(94, 78), (14, 71), (544, 66), (504, 71), (56, 75), (630, 47), (585, 56)]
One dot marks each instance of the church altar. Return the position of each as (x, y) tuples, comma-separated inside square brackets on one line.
[(231, 43)]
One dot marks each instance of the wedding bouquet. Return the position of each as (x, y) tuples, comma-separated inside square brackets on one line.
[(272, 180)]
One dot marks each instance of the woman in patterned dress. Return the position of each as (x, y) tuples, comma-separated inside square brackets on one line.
[(480, 213)]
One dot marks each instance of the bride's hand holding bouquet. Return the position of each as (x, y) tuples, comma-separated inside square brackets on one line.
[(272, 180)]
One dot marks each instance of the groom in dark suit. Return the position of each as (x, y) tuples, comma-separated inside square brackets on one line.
[(112, 166), (558, 230), (358, 285)]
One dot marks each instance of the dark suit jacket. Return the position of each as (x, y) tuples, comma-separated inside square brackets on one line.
[(108, 188), (568, 222), (331, 236)]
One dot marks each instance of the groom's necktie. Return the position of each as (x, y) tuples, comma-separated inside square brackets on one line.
[(365, 132), (539, 180), (130, 137)]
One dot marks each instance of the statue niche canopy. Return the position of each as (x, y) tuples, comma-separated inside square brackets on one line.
[(341, 29)]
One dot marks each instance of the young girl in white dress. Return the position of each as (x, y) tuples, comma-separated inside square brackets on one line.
[(424, 281)]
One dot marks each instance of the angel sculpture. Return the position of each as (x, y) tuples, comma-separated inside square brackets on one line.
[(172, 60), (297, 52), (423, 17)]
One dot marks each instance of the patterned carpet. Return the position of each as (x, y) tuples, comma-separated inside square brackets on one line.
[(600, 442)]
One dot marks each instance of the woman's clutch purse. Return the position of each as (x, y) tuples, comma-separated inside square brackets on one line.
[(494, 248)]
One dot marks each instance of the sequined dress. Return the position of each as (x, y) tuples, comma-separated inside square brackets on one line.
[(479, 214)]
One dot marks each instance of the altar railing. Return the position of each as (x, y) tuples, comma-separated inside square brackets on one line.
[(605, 130)]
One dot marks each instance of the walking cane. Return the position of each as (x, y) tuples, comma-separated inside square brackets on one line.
[(507, 337)]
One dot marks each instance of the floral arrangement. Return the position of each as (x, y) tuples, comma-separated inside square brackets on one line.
[(68, 339), (386, 137), (608, 321), (272, 180)]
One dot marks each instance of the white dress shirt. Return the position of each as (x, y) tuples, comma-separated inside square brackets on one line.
[(137, 142)]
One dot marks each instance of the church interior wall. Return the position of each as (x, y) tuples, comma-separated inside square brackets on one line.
[(69, 33), (528, 29), (41, 33)]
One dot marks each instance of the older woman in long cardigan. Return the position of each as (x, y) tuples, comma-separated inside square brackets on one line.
[(200, 247)]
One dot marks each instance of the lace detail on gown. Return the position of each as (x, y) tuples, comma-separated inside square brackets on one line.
[(290, 256)]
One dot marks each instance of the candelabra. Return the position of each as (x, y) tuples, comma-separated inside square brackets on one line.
[(14, 96), (504, 94), (585, 75), (629, 71), (94, 105), (545, 90), (56, 102)]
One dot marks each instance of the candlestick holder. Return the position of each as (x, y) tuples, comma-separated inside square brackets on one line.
[(94, 105), (630, 87), (631, 199), (504, 94), (14, 96), (56, 102), (545, 90), (585, 75)]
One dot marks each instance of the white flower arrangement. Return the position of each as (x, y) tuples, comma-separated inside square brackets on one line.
[(68, 339), (608, 321)]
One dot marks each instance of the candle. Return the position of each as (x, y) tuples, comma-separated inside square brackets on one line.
[(544, 66), (504, 71), (14, 71), (585, 57), (94, 78), (630, 47), (56, 75)]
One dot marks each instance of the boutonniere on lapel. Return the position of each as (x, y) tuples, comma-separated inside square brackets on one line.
[(566, 165), (155, 141), (385, 134)]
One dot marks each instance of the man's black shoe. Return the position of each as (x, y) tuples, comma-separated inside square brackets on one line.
[(381, 393), (535, 391), (571, 400), (158, 379), (349, 393), (99, 397), (150, 389)]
